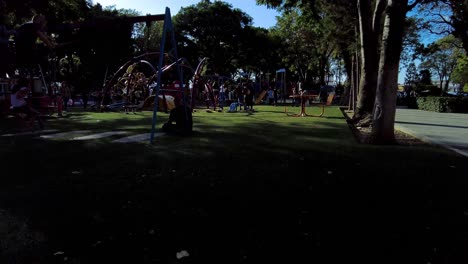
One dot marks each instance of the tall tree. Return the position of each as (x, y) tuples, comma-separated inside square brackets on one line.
[(258, 51), (324, 26), (372, 14), (342, 14), (441, 59), (380, 49), (460, 73), (369, 31), (343, 31), (380, 25), (148, 36), (299, 50), (411, 41), (412, 76), (425, 77), (214, 30), (383, 120)]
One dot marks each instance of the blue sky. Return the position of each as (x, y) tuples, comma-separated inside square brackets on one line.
[(262, 16)]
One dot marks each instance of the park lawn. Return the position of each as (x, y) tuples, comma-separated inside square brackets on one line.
[(244, 188)]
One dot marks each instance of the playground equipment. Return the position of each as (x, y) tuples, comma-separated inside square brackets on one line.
[(139, 76), (130, 77), (282, 82), (260, 97), (135, 81)]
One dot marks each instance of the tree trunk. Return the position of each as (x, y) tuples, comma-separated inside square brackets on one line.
[(347, 64), (322, 65), (385, 103), (348, 67), (369, 27), (441, 83), (446, 85)]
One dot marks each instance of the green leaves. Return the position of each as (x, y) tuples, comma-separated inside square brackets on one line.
[(224, 34)]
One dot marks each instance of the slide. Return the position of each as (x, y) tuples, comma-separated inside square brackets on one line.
[(260, 97)]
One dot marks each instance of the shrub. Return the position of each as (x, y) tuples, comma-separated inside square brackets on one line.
[(443, 104), (427, 90)]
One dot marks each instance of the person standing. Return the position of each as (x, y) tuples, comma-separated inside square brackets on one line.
[(295, 93), (85, 98), (240, 95), (270, 96), (18, 95), (58, 100), (215, 87), (249, 95), (28, 53), (273, 85), (222, 95), (65, 92)]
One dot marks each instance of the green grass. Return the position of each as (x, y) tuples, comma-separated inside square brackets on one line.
[(244, 188)]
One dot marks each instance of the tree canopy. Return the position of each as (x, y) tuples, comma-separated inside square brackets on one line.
[(226, 36), (441, 59)]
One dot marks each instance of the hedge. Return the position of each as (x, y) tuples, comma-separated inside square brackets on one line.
[(443, 104)]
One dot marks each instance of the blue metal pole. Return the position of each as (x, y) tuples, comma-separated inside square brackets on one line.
[(167, 20), (179, 72)]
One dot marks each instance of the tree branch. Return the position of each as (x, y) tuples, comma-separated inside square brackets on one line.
[(378, 11), (445, 20), (443, 32)]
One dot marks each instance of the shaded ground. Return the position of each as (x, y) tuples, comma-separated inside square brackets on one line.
[(245, 188)]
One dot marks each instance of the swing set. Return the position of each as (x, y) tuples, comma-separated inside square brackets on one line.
[(131, 78)]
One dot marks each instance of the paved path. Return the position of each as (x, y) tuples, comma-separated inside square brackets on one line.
[(87, 135), (446, 129)]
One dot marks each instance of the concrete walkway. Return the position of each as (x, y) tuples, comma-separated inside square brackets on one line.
[(446, 129)]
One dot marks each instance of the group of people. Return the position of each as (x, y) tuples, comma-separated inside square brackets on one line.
[(62, 94), (20, 105), (219, 94), (245, 94), (242, 93)]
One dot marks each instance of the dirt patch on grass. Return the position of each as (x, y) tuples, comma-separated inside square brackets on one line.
[(363, 134)]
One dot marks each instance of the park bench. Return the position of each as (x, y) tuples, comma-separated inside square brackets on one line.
[(322, 103)]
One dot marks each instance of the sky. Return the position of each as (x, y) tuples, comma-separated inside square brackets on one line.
[(262, 16)]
